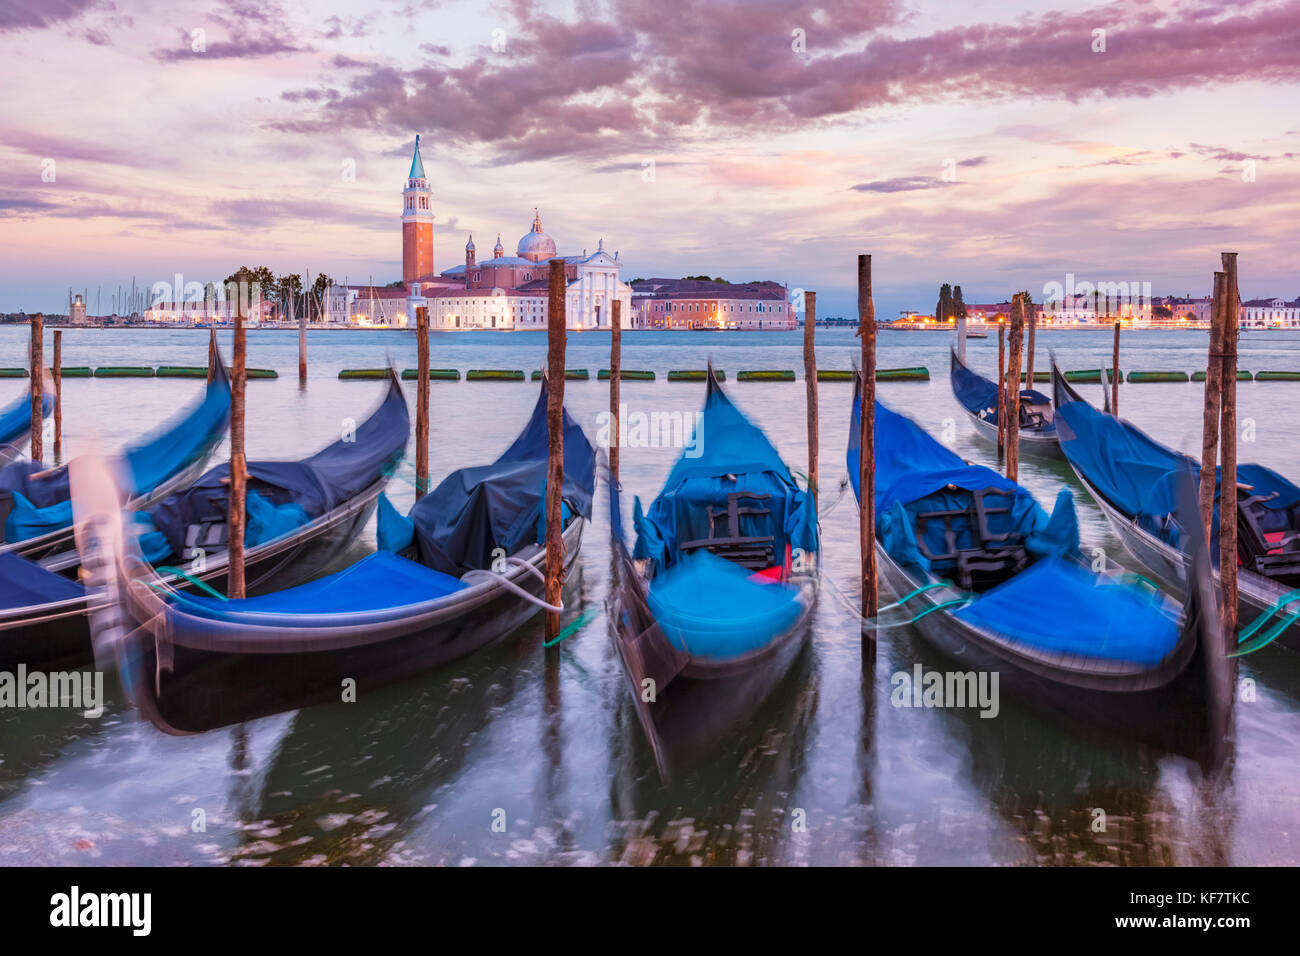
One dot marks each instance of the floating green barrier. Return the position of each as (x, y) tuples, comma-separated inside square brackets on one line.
[(180, 371), (261, 373), (13, 373), (917, 374), (695, 375), (494, 375), (124, 371), (1242, 376), (834, 375), (765, 375), (570, 375), (353, 374), (1038, 376), (627, 375), (1088, 375), (76, 371), (435, 374), (1277, 376), (1158, 377)]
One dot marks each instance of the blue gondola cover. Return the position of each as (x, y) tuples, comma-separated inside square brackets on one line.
[(16, 417)]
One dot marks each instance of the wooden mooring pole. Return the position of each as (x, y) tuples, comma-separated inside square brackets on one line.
[(615, 373), (1031, 322), (1228, 441), (1012, 407), (212, 353), (867, 447), (1002, 390), (810, 386), (238, 461), (302, 349), (58, 396), (1114, 374), (1213, 400), (37, 361), (422, 401), (556, 321)]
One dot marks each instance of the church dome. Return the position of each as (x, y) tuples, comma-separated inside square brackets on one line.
[(536, 246), (469, 246)]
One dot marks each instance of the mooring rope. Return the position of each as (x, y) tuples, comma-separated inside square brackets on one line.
[(1247, 636), (201, 585)]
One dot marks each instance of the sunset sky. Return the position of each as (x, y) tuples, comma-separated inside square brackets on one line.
[(977, 142)]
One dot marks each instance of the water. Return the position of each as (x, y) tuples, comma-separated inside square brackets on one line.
[(418, 773)]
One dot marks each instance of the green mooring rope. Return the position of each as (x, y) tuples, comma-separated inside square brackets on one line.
[(1247, 637), (577, 624), (201, 585)]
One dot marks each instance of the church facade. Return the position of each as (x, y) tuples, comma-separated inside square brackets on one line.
[(503, 291)]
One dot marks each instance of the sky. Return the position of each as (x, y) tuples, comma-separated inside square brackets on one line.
[(998, 146)]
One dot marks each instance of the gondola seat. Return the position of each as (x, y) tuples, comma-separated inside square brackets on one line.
[(756, 552), (710, 607), (1264, 547), (972, 553)]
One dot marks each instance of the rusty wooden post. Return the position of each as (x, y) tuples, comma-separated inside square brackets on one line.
[(212, 352), (37, 362), (1228, 442), (58, 396), (1016, 334), (1031, 321), (556, 321), (810, 386), (422, 401), (867, 447), (1002, 390), (238, 462), (1114, 374), (615, 373), (1213, 399)]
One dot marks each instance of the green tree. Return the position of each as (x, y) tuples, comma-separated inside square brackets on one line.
[(943, 308), (959, 307), (288, 292)]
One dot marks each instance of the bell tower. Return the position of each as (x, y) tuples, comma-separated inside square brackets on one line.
[(417, 222)]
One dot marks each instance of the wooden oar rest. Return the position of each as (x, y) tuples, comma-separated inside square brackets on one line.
[(1278, 558), (992, 558), (756, 552)]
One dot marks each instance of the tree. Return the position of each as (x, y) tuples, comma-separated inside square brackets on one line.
[(959, 307), (322, 283), (262, 279), (288, 290), (943, 308)]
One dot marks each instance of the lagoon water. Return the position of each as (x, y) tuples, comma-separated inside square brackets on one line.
[(827, 773)]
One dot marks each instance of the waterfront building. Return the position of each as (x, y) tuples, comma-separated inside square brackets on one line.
[(704, 304), (1275, 313)]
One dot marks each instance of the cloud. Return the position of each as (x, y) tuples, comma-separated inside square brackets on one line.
[(902, 184), (625, 76), (39, 14), (256, 30)]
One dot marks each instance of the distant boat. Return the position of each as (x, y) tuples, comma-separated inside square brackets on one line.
[(973, 334)]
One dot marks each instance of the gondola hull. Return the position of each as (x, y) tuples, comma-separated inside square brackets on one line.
[(203, 684), (1041, 444), (59, 636), (705, 701), (1179, 710), (1256, 594)]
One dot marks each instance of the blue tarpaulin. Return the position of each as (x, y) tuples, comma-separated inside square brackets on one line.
[(16, 418), (709, 607), (38, 500), (282, 494), (1055, 604), (474, 511), (24, 583), (1138, 475), (735, 457)]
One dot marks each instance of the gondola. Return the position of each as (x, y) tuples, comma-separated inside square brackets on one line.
[(16, 424), (712, 606), (35, 503), (192, 663), (978, 397), (994, 583), (1129, 474), (301, 515)]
